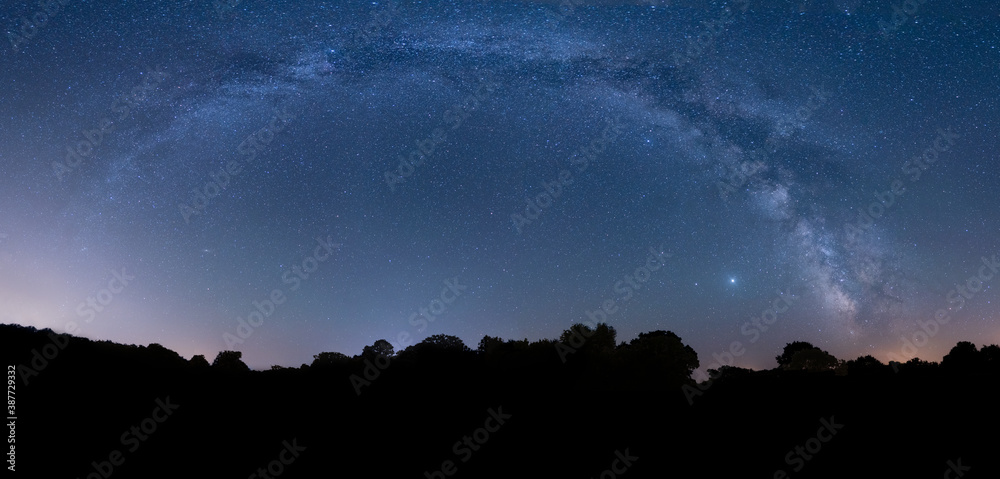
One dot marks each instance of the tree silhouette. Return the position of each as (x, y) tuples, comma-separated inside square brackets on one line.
[(489, 344), (866, 366), (599, 341), (963, 357), (379, 348), (659, 356), (592, 397), (445, 342), (229, 361), (727, 373), (915, 366), (322, 360), (604, 339), (785, 358), (199, 361), (991, 357), (510, 355), (813, 360), (439, 347), (163, 357)]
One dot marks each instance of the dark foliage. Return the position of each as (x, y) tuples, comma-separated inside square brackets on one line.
[(567, 418)]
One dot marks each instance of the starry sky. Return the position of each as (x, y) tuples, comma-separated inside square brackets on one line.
[(287, 178)]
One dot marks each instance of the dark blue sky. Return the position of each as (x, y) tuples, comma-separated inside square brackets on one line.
[(363, 170)]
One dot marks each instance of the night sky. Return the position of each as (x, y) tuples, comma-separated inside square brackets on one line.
[(336, 173)]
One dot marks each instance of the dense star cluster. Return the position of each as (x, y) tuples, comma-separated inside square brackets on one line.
[(290, 178)]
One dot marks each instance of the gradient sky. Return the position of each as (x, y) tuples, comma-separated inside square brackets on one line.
[(822, 104)]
